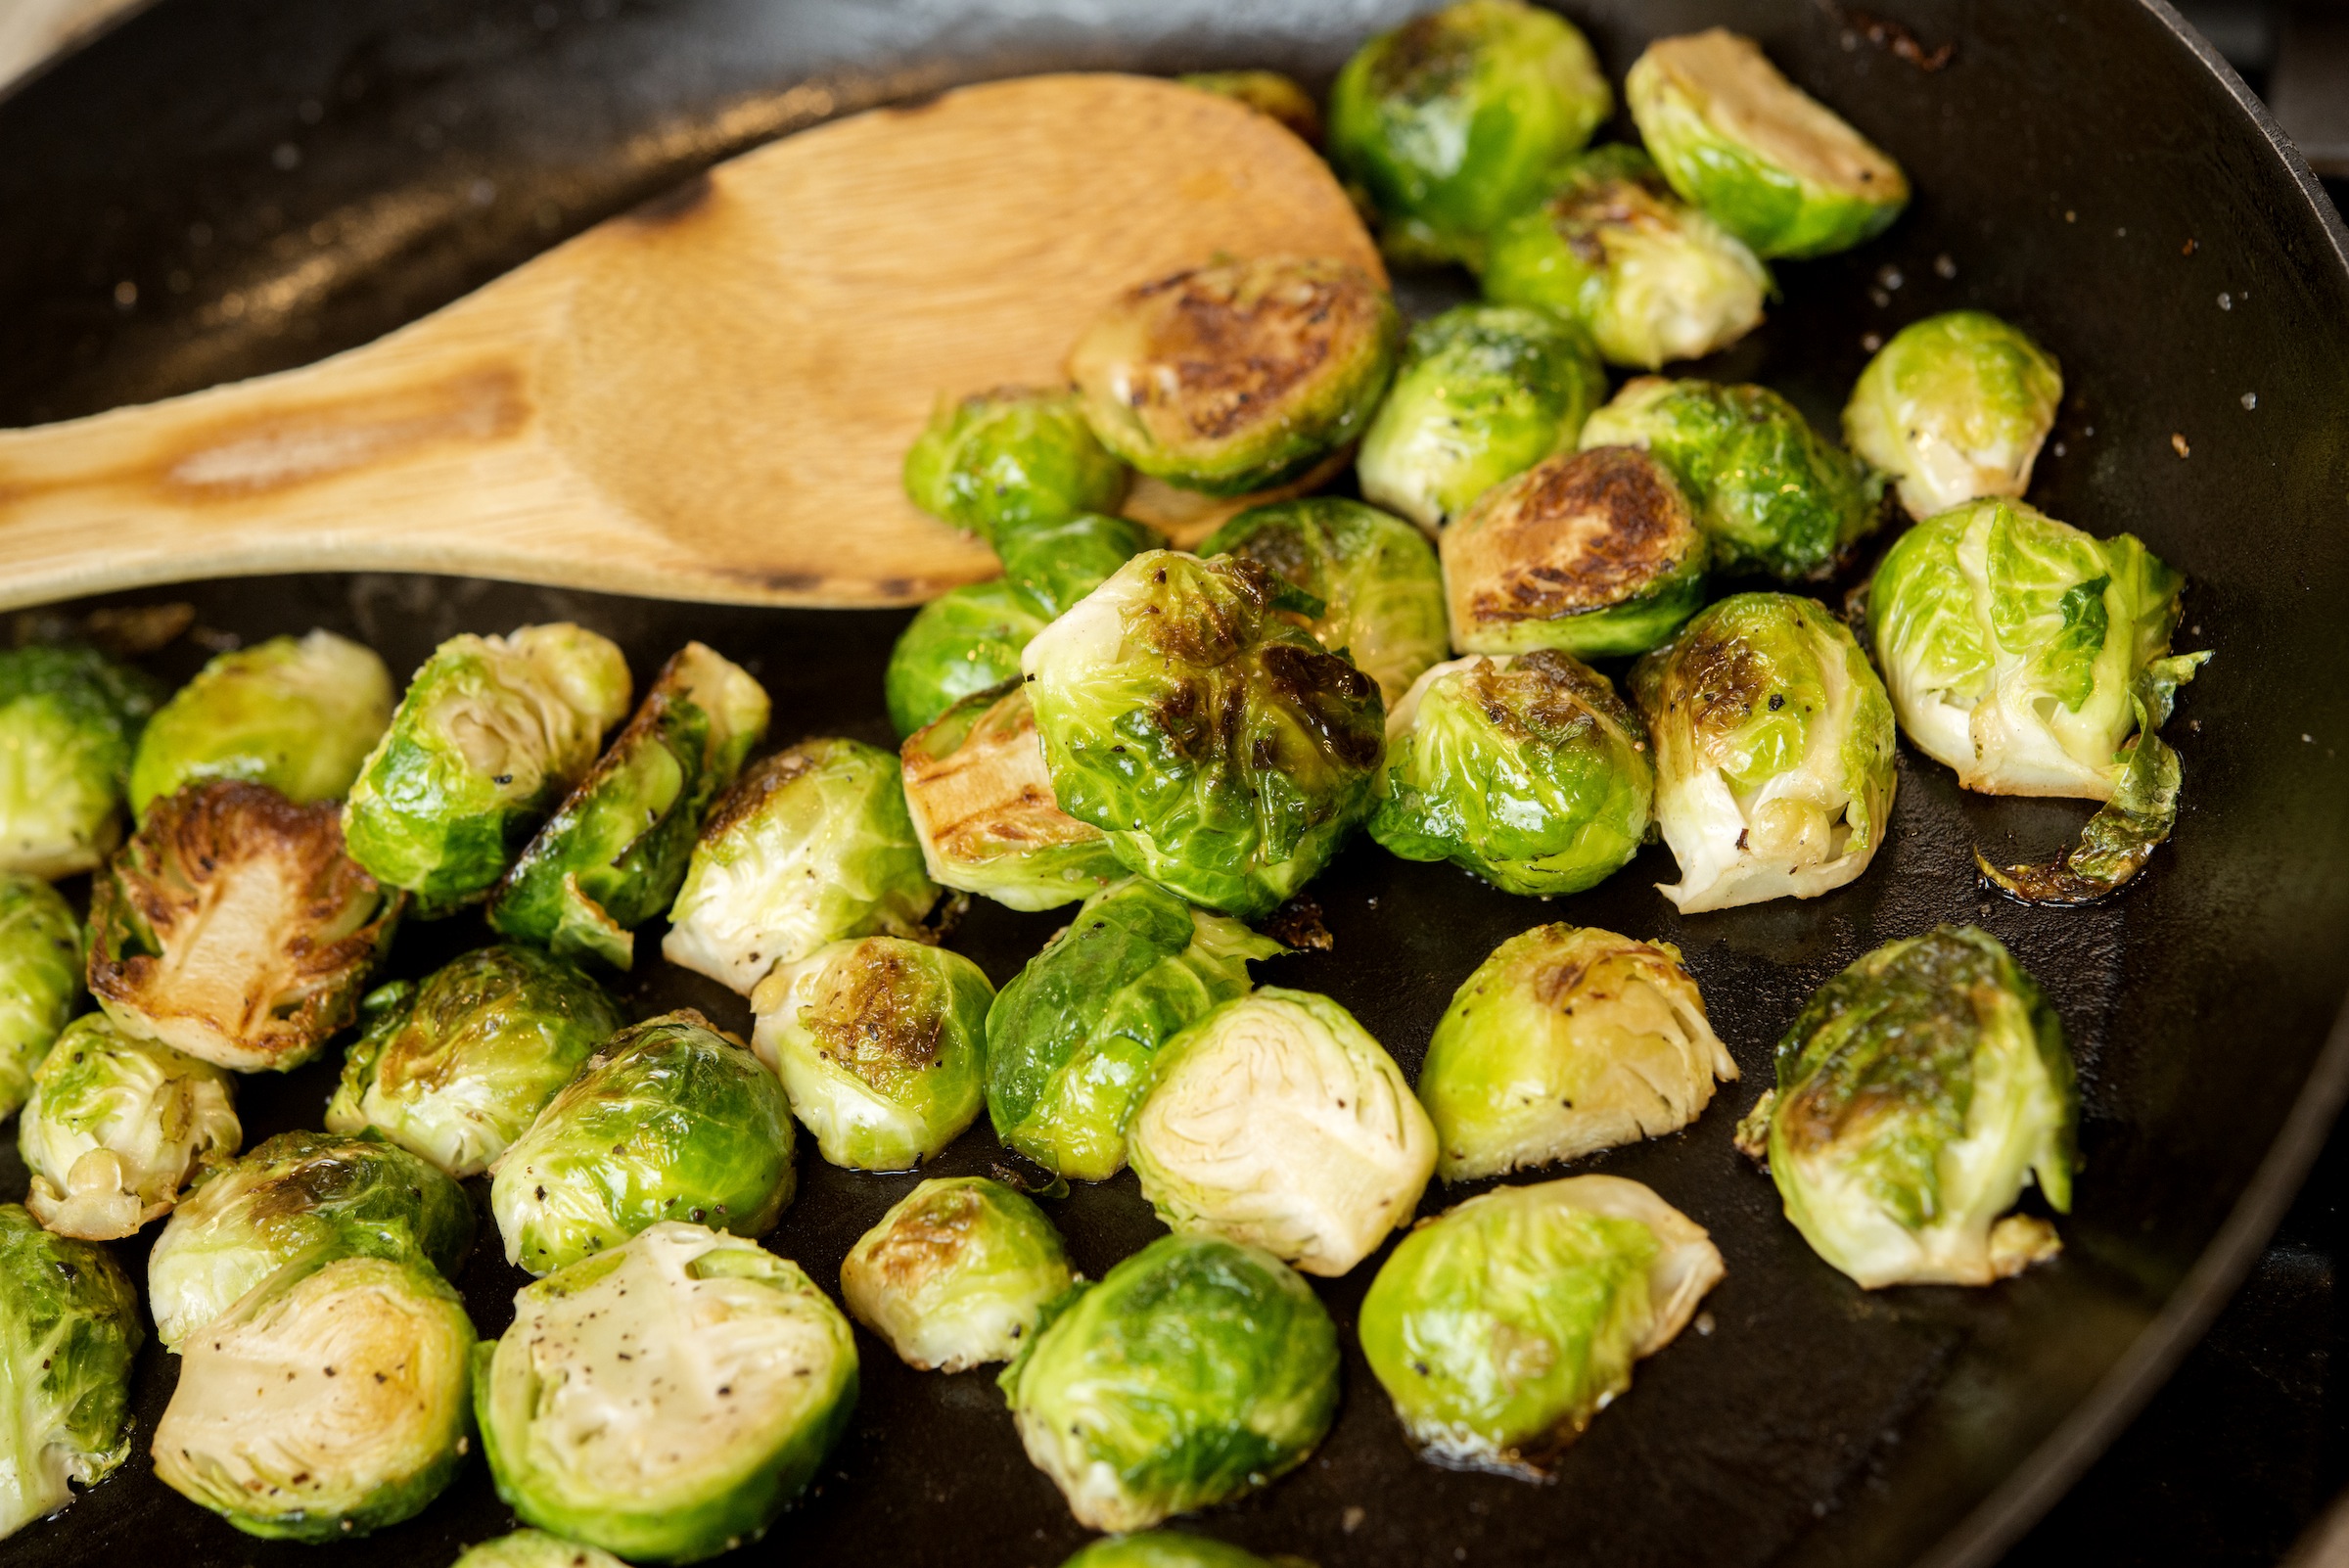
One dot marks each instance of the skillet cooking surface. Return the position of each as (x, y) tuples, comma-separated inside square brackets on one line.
[(2063, 161)]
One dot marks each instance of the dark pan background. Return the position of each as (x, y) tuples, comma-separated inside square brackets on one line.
[(275, 181)]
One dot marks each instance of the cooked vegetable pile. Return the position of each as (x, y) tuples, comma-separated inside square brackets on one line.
[(1550, 622)]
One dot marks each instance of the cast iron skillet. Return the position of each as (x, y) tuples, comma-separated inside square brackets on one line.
[(274, 182)]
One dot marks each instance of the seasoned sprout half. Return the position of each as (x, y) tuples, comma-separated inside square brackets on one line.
[(69, 721), (1954, 408), (957, 1273), (1568, 1040), (116, 1127), (534, 1549), (304, 1198), (456, 1067), (1270, 92), (1451, 121), (1918, 1093), (1777, 168), (41, 978), (1278, 1120), (1500, 1328), (1196, 1371), (1485, 392), (667, 1400), (234, 927), (1000, 461), (1529, 772), (68, 1329), (1234, 377), (1070, 1040), (297, 713), (1166, 1549), (1224, 750), (1774, 748), (668, 1119), (327, 1403), (811, 844)]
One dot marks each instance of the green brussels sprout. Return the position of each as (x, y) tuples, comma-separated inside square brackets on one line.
[(69, 721), (1221, 748), (1769, 162), (880, 1044), (456, 1069), (534, 1549), (1567, 1040), (1452, 121), (957, 1273), (1594, 554), (41, 978), (1484, 392), (1195, 1372), (1954, 408), (668, 1119), (1649, 277), (327, 1403), (1166, 1549), (1270, 92), (981, 800), (811, 844), (613, 854), (69, 1330), (1502, 1326), (233, 926), (116, 1128), (308, 1197), (297, 713), (1771, 493), (997, 462), (1380, 591), (1278, 1120), (1529, 772), (1070, 1040), (1774, 748), (1231, 378), (667, 1399), (1917, 1094), (491, 733)]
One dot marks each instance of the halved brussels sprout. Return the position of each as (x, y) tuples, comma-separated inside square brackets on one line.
[(1564, 1041), (1450, 122), (456, 1068), (811, 844), (69, 721), (957, 1273), (880, 1044), (1649, 277), (1594, 554), (1485, 392), (1234, 377), (1773, 752), (69, 1330), (997, 462), (1954, 408), (300, 1197), (1773, 164), (1502, 1326), (613, 854), (1529, 772), (297, 713), (668, 1119), (1195, 1372), (1917, 1094), (1278, 1120), (116, 1128), (1380, 591), (534, 1549), (667, 1399), (327, 1404), (1069, 1041), (1268, 92), (1771, 493), (234, 927), (491, 733), (1224, 750), (41, 978), (1169, 1549)]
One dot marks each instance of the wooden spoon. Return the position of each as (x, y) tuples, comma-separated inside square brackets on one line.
[(707, 398)]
